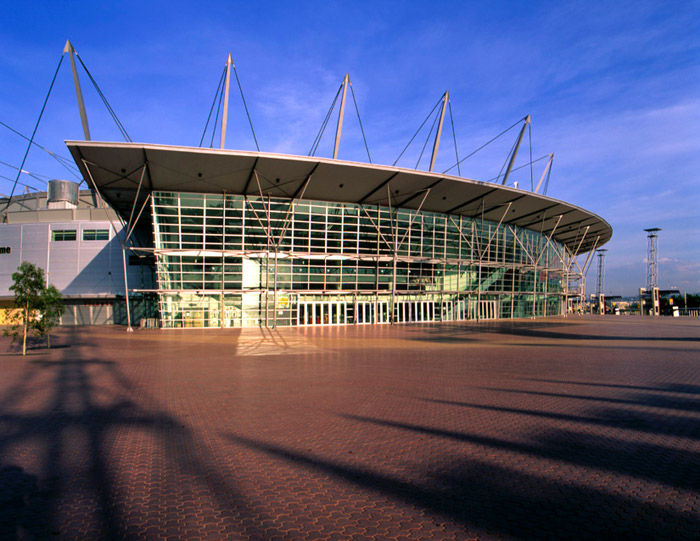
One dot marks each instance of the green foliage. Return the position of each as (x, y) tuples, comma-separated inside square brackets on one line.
[(50, 311), (28, 283), (39, 307)]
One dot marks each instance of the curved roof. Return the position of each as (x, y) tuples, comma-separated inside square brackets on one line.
[(117, 170)]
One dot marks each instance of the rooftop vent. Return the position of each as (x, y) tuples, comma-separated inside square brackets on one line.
[(63, 194)]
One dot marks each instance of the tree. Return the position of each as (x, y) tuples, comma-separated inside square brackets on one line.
[(27, 285), (38, 307), (50, 311)]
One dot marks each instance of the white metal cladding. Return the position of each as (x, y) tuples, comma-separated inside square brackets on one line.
[(77, 267), (121, 170)]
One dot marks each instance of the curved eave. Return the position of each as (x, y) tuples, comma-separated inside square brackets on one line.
[(117, 169)]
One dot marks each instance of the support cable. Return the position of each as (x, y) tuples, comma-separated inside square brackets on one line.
[(505, 163), (360, 121), (317, 140), (521, 167), (216, 120), (546, 182), (427, 140), (31, 139), (21, 183), (17, 201), (33, 175), (216, 95), (454, 138), (104, 100), (417, 131), (246, 108), (485, 145), (65, 162)]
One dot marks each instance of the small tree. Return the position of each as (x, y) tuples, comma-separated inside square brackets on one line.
[(28, 284), (50, 311)]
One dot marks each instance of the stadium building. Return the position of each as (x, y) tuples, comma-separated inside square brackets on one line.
[(241, 239), (247, 239)]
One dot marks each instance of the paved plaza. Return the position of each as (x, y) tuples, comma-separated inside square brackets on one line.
[(580, 427)]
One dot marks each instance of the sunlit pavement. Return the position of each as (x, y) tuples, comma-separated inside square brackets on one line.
[(584, 427)]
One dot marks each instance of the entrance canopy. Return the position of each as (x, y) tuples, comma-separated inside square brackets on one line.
[(125, 173)]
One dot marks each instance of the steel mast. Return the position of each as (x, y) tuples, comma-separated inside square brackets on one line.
[(436, 144), (78, 92), (224, 116), (515, 150), (339, 129)]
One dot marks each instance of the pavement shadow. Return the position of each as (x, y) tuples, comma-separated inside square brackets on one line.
[(454, 332), (35, 346), (653, 400), (20, 505), (640, 460), (668, 425), (558, 482), (684, 388), (533, 332), (498, 501), (90, 402)]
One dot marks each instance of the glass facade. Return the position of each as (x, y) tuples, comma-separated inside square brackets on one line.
[(233, 260)]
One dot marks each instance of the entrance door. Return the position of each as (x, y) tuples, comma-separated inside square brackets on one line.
[(320, 313), (482, 310), (364, 311), (425, 311), (382, 312), (448, 311)]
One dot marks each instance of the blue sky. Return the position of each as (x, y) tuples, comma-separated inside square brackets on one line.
[(613, 89)]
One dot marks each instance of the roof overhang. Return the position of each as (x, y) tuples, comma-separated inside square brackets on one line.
[(125, 172)]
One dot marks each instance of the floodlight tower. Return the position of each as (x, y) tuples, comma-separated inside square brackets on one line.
[(652, 258), (600, 284), (651, 294)]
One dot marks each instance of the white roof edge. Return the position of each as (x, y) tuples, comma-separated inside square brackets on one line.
[(314, 159), (332, 162)]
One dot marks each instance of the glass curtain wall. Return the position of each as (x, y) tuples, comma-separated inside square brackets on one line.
[(231, 261)]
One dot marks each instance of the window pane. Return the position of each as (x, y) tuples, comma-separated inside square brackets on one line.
[(63, 234), (95, 234)]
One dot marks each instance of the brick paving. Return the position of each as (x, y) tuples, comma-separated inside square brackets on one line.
[(584, 427)]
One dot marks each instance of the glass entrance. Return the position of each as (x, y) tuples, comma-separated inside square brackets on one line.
[(322, 313), (364, 312), (448, 311), (481, 309), (382, 312), (414, 311)]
